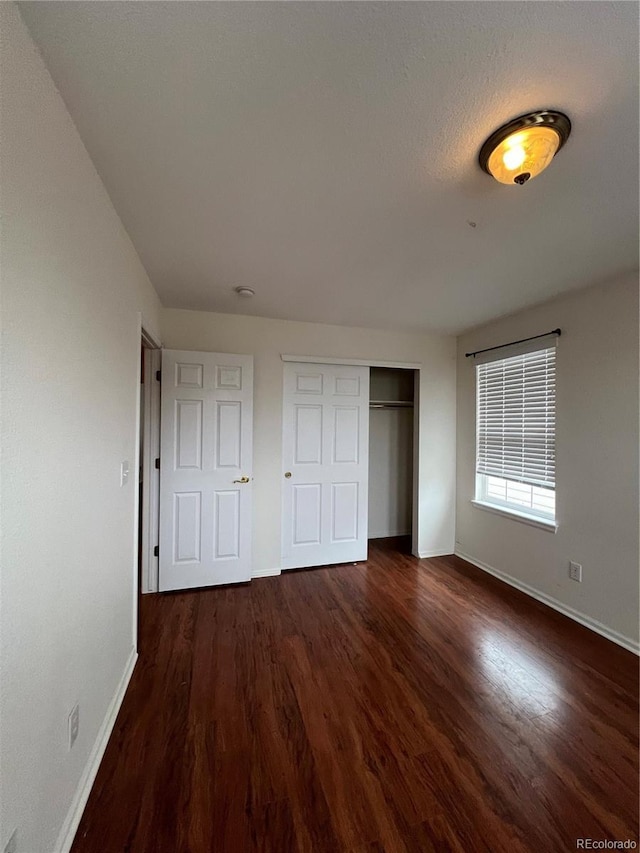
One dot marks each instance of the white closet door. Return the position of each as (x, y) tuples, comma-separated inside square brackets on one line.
[(205, 469), (326, 464)]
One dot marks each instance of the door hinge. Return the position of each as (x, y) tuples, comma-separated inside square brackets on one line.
[(158, 462), (156, 551), (158, 375)]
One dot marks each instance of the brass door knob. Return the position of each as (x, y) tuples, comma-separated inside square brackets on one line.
[(242, 480), (287, 474)]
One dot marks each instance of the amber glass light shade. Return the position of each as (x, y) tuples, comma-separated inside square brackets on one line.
[(526, 152), (523, 148)]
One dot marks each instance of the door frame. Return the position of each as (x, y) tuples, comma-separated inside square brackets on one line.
[(150, 474), (404, 365), (151, 341)]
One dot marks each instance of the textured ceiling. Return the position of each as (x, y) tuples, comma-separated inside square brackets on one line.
[(324, 154)]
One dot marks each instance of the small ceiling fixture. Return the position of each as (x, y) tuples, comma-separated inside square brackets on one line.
[(524, 147), (245, 291)]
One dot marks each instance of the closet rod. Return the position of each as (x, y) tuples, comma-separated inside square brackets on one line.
[(390, 404)]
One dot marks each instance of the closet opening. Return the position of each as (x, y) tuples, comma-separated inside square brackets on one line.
[(392, 448)]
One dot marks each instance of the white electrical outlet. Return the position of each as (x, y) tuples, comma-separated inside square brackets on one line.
[(74, 725), (575, 572), (12, 843)]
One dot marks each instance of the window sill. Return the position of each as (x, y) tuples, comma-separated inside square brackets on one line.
[(534, 521)]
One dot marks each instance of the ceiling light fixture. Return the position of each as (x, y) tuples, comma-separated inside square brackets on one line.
[(245, 291), (524, 147)]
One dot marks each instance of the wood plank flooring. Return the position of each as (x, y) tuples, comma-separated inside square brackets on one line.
[(395, 705)]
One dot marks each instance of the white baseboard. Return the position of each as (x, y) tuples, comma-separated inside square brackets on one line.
[(266, 573), (583, 619), (443, 552), (70, 825), (388, 535)]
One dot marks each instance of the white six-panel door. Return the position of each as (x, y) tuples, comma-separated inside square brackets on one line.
[(326, 464), (205, 469)]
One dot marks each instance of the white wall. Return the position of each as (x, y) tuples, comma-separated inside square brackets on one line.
[(267, 340), (597, 459), (72, 287)]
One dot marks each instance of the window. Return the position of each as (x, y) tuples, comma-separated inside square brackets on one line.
[(516, 419)]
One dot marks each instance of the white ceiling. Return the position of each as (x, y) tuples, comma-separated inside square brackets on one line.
[(325, 154)]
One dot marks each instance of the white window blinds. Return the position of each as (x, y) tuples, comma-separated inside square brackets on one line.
[(516, 414)]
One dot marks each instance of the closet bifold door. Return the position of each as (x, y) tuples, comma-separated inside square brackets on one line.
[(325, 464)]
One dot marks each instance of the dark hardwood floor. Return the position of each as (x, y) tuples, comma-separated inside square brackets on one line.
[(395, 705)]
